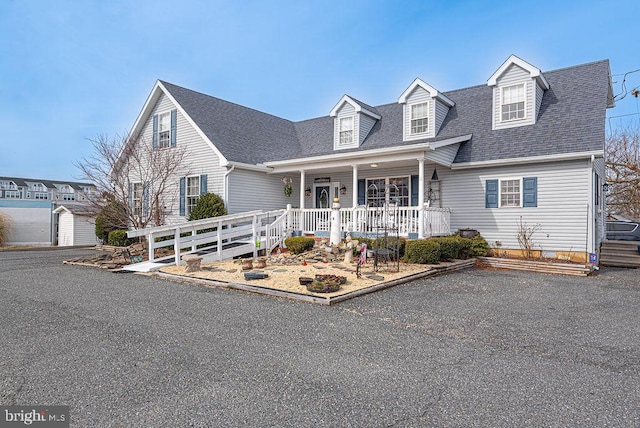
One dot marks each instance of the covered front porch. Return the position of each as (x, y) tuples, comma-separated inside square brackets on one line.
[(395, 188)]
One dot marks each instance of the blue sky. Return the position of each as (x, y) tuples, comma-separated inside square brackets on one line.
[(71, 70)]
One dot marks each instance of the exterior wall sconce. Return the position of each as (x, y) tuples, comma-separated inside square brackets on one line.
[(343, 190), (307, 192), (605, 187)]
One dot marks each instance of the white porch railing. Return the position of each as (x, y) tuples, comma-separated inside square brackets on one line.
[(369, 220)]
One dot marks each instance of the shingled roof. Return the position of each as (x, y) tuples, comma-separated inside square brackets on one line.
[(571, 119)]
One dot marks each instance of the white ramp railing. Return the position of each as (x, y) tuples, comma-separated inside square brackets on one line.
[(216, 238)]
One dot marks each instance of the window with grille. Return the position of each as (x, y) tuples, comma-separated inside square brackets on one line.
[(419, 118), (510, 193), (513, 103), (193, 193), (346, 130)]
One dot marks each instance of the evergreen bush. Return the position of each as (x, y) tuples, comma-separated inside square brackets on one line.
[(208, 205), (118, 238), (299, 244), (425, 251)]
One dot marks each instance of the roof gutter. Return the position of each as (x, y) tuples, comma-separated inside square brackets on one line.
[(369, 153), (529, 159)]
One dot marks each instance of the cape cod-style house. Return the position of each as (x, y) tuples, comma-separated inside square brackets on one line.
[(526, 145)]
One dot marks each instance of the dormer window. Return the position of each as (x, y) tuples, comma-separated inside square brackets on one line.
[(346, 130), (513, 102), (419, 118)]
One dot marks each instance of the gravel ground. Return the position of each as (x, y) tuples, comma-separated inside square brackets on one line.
[(472, 348)]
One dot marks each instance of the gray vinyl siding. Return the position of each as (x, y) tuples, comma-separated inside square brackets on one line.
[(345, 111), (441, 113), (253, 190), (514, 75), (200, 159), (443, 155), (539, 95), (600, 211), (366, 123), (562, 211), (418, 96)]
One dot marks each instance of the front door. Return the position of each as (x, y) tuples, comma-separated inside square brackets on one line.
[(323, 196)]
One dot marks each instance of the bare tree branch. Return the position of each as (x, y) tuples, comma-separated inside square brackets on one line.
[(132, 173), (623, 170)]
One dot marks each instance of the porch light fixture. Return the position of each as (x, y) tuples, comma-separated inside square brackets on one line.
[(605, 187), (307, 192), (343, 190), (374, 165)]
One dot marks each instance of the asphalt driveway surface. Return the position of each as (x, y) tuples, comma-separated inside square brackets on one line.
[(473, 348)]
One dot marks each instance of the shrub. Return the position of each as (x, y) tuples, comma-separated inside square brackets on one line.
[(118, 238), (464, 246), (208, 205), (449, 247), (299, 244), (6, 224), (422, 251), (479, 246)]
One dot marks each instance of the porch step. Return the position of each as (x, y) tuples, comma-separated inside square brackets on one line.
[(620, 254)]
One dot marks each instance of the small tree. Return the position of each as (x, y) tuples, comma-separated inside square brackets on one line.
[(112, 216), (623, 170), (208, 205), (525, 237), (135, 175)]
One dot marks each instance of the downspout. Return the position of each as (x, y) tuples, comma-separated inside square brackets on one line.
[(225, 180)]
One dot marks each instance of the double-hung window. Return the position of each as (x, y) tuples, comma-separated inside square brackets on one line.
[(419, 118), (193, 193), (509, 193), (136, 203), (164, 130), (346, 130), (513, 102)]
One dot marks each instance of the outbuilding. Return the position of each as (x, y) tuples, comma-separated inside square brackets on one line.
[(76, 226)]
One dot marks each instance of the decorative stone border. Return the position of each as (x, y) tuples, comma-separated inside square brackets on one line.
[(326, 301), (535, 266)]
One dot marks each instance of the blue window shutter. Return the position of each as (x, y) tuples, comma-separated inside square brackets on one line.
[(173, 127), (203, 184), (414, 190), (145, 199), (530, 192), (154, 139), (362, 191), (491, 194), (182, 195)]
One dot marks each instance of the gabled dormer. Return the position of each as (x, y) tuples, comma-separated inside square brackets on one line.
[(352, 122), (424, 110), (518, 88)]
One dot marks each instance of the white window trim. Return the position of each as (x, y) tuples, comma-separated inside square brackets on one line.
[(339, 142), (160, 115), (137, 208), (187, 195), (500, 180), (502, 89), (411, 118)]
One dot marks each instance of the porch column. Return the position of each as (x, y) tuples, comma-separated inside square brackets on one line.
[(421, 198), (354, 186), (302, 187)]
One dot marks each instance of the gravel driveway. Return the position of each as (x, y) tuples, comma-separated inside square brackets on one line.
[(473, 348)]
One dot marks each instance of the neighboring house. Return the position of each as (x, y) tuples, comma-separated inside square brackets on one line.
[(31, 205), (526, 145)]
